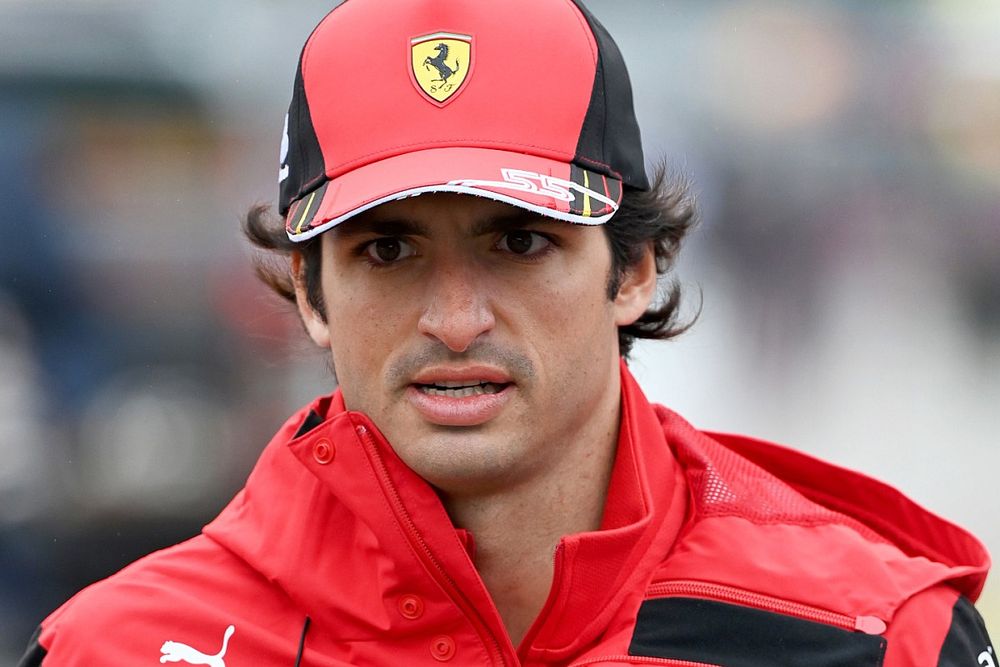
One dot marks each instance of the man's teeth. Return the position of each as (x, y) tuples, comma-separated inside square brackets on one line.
[(459, 389)]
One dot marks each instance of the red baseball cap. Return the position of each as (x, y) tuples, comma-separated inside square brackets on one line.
[(523, 101)]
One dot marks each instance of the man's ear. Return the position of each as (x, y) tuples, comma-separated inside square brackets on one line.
[(313, 322), (637, 289)]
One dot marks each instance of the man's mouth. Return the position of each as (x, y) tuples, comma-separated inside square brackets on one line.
[(461, 389), (468, 396)]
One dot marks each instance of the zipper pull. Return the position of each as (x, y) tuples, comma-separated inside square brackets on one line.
[(870, 625)]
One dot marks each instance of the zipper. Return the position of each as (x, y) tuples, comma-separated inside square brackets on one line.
[(415, 539), (870, 625), (536, 626)]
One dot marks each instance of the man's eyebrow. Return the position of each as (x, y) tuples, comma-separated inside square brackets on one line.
[(389, 227), (362, 226), (505, 223)]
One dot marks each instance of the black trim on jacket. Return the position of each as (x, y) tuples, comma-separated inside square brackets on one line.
[(35, 654), (967, 642), (717, 633)]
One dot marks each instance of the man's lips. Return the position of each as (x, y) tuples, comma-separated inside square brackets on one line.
[(460, 389), (460, 396), (465, 376)]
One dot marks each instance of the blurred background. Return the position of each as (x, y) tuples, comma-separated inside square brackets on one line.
[(847, 159)]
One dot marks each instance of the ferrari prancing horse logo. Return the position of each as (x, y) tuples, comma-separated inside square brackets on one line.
[(440, 64)]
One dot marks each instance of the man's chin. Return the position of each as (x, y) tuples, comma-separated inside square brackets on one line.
[(459, 458)]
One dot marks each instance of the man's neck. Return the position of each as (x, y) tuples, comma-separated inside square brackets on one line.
[(517, 530)]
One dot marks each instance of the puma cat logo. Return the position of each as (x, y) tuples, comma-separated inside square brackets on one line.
[(176, 651)]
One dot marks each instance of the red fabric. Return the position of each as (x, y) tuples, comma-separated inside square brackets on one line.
[(333, 526), (880, 507), (435, 169), (358, 133), (913, 635)]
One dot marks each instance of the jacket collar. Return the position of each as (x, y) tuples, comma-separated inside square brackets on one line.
[(334, 508)]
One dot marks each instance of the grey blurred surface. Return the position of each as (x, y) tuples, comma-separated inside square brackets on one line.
[(847, 156)]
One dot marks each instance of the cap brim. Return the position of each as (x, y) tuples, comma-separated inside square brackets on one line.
[(551, 188)]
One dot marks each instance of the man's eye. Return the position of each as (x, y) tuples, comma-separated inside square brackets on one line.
[(388, 249), (523, 242)]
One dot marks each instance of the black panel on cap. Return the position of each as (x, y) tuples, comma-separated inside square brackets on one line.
[(610, 133), (306, 169)]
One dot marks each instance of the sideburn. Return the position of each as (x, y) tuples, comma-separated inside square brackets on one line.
[(313, 266)]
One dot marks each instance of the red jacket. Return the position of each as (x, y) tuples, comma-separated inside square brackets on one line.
[(713, 550)]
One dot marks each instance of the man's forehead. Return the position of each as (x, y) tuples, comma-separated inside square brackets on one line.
[(425, 214)]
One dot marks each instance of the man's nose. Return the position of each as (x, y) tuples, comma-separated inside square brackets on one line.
[(458, 309)]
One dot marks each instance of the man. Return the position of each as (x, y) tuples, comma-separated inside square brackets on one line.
[(472, 236)]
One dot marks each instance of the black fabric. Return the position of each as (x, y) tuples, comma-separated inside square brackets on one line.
[(733, 636), (614, 190), (35, 654), (301, 214), (311, 421), (610, 136), (592, 181), (967, 642), (306, 168), (302, 642)]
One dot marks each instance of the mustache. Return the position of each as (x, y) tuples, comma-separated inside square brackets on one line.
[(518, 366)]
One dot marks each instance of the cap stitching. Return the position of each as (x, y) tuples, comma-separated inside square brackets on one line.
[(582, 20), (301, 109), (314, 183), (595, 52), (599, 75), (305, 109), (604, 93), (451, 143), (598, 163)]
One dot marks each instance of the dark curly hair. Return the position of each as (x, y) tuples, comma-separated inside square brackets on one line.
[(661, 215)]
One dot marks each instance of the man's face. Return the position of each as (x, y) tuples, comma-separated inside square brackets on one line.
[(478, 337)]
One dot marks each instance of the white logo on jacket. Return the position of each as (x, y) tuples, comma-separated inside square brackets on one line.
[(986, 658), (176, 651)]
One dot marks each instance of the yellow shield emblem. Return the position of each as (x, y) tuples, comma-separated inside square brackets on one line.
[(440, 64)]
